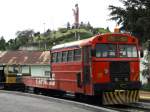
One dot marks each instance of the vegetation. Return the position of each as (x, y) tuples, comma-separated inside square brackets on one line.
[(134, 17), (146, 71), (146, 87), (2, 44), (44, 41)]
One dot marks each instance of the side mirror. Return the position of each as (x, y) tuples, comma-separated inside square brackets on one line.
[(141, 54)]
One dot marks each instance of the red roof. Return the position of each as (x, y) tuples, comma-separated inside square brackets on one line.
[(24, 57)]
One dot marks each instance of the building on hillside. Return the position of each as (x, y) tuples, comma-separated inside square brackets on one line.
[(34, 63)]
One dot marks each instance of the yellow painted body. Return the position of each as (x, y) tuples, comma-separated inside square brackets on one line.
[(120, 97), (10, 78)]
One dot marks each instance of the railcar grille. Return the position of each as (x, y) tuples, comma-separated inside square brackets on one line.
[(119, 71)]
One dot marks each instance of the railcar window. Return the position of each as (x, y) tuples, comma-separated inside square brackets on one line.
[(47, 73), (59, 57), (77, 54), (70, 55), (127, 51), (64, 56), (106, 50), (54, 56)]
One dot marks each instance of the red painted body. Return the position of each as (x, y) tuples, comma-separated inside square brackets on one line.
[(70, 76)]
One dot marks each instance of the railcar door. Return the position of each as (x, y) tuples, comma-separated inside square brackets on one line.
[(86, 68)]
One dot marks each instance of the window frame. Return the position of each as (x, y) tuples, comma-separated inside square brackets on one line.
[(117, 51), (127, 51), (54, 59), (77, 57), (46, 73), (59, 57), (70, 58), (108, 52), (64, 57)]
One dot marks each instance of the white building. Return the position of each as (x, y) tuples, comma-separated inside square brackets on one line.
[(34, 63)]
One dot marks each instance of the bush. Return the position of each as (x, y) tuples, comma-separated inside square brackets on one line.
[(146, 87), (63, 30)]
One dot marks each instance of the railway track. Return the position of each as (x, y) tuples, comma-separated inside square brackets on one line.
[(136, 107)]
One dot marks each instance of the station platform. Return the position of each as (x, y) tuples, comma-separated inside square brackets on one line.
[(12, 101)]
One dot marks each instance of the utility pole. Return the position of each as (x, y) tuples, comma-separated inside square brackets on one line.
[(45, 37), (44, 26)]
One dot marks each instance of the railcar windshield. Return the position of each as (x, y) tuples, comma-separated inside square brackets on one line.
[(114, 50), (127, 51), (106, 50)]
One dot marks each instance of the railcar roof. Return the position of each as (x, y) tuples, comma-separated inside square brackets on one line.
[(78, 43), (83, 42)]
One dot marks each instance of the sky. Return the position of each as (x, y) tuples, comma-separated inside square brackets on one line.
[(19, 15)]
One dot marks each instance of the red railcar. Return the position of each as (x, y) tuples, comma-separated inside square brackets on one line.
[(106, 65)]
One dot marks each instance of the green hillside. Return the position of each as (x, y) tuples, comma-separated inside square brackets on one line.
[(44, 41)]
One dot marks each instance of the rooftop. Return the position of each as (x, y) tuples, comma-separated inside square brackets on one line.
[(24, 57)]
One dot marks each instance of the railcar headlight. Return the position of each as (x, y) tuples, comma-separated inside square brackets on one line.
[(106, 71), (100, 75), (132, 70)]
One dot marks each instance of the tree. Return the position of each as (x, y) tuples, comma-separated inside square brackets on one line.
[(25, 36), (2, 44), (82, 25), (134, 17), (146, 71), (89, 25), (12, 44), (146, 62), (68, 25), (37, 34)]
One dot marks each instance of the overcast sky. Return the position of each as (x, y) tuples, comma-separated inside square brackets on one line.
[(18, 15)]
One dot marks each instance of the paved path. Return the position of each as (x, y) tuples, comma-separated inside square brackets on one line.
[(34, 103)]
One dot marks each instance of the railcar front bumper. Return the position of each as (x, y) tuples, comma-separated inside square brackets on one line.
[(99, 87), (120, 97), (118, 93)]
